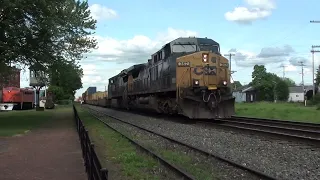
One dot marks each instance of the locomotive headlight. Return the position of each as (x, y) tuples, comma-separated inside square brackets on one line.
[(225, 83), (196, 82), (205, 58)]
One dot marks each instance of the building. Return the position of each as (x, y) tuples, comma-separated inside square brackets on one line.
[(296, 93), (245, 94)]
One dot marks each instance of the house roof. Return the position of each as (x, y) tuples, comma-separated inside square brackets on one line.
[(241, 88), (298, 89)]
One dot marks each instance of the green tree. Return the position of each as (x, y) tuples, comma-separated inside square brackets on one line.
[(317, 78), (281, 88), (45, 32), (66, 76), (289, 81), (58, 92), (269, 85), (236, 85), (262, 82)]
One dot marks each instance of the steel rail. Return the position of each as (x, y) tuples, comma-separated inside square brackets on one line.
[(309, 135), (307, 125), (173, 167), (233, 163)]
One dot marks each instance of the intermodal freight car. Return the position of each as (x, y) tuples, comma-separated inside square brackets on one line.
[(186, 76)]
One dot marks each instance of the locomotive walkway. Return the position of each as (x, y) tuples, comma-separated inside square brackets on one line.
[(52, 152)]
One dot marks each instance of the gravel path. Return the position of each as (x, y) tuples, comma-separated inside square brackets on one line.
[(201, 165), (50, 153), (279, 159)]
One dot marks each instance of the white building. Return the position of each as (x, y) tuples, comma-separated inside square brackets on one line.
[(245, 94), (296, 93)]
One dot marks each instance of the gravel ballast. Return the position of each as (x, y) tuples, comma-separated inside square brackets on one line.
[(279, 159), (201, 166)]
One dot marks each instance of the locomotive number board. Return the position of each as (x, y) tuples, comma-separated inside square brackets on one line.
[(183, 64)]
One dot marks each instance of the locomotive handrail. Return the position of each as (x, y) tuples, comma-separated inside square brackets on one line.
[(180, 82)]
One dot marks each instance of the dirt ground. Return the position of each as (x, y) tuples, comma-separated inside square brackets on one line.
[(50, 153)]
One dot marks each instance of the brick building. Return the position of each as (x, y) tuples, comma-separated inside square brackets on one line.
[(12, 80)]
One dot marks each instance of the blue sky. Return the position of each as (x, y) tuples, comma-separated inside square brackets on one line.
[(256, 31)]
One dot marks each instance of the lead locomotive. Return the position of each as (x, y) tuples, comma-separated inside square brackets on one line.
[(187, 76)]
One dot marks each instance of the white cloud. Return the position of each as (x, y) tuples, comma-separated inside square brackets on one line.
[(97, 67), (290, 68), (100, 12), (137, 49), (267, 55), (258, 9)]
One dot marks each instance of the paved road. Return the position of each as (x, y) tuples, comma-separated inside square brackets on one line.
[(50, 153)]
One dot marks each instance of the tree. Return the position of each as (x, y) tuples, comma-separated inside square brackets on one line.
[(262, 82), (45, 32), (269, 85), (236, 85), (67, 77), (317, 79), (281, 88), (289, 81)]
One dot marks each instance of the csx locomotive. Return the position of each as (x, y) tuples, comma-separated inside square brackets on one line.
[(186, 76)]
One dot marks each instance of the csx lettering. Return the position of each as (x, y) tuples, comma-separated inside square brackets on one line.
[(207, 70)]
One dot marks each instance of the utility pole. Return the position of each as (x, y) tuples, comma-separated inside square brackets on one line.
[(283, 72), (302, 65), (313, 51), (230, 55)]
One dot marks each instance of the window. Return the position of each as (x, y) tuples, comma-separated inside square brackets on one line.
[(184, 48), (297, 95), (209, 47), (155, 58)]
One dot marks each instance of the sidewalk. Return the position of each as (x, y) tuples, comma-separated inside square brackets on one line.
[(50, 153)]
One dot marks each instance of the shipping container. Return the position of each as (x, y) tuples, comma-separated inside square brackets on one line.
[(91, 90), (99, 95)]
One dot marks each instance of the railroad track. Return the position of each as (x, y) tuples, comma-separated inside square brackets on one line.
[(179, 170), (305, 132)]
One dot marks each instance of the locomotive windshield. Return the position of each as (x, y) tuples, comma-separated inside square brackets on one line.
[(178, 48), (210, 47)]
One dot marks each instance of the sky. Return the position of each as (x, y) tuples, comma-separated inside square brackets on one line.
[(268, 32)]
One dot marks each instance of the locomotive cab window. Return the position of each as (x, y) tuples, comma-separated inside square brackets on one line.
[(179, 48)]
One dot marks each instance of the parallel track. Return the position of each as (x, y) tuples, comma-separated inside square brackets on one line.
[(305, 132), (181, 172), (176, 169)]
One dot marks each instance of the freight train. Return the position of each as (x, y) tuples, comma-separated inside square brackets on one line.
[(186, 76)]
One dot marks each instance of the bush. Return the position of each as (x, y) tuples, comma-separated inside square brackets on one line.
[(64, 102), (316, 100)]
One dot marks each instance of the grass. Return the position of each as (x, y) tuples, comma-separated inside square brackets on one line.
[(282, 111), (114, 148), (131, 162), (199, 170), (18, 122)]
